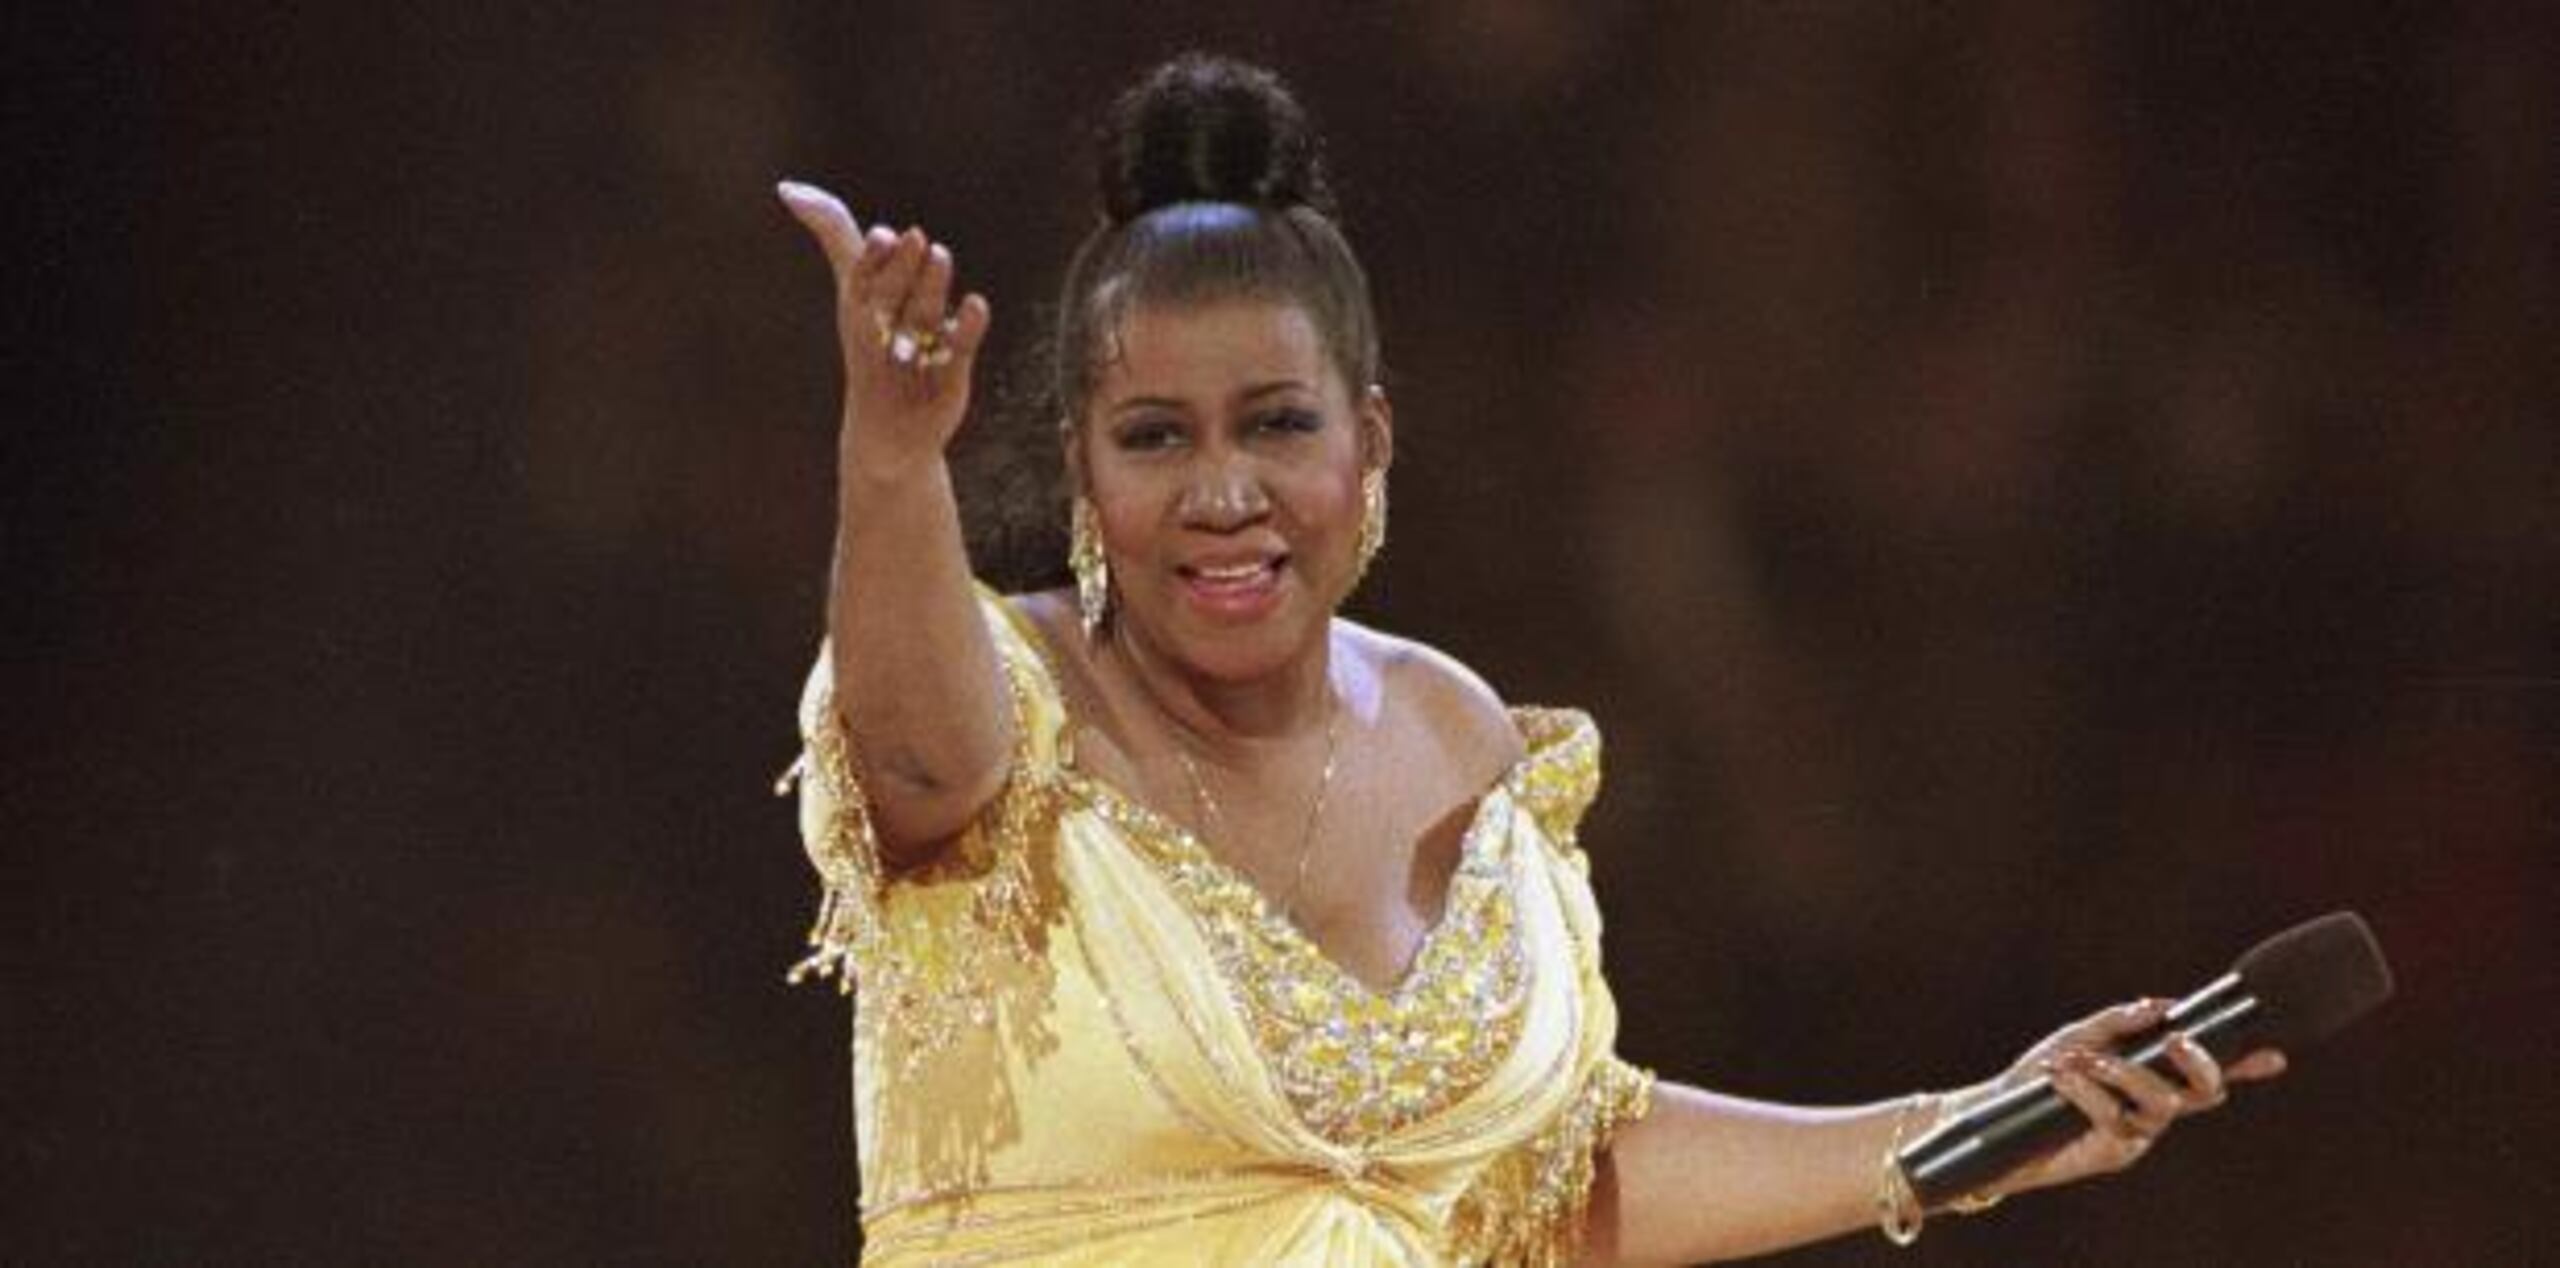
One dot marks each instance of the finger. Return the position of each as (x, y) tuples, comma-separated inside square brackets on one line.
[(2205, 1082), (2071, 1078), (825, 217), (2126, 1019), (868, 288), (969, 327), (924, 309), (2156, 1101), (886, 295), (2265, 1063), (877, 246)]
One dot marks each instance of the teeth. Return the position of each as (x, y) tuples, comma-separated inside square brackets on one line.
[(1231, 572)]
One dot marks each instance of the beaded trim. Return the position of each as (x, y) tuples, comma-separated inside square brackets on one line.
[(1354, 1063), (1357, 1064), (1529, 1207), (928, 980)]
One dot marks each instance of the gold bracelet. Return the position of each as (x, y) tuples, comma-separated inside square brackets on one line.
[(1975, 1203), (1898, 1211)]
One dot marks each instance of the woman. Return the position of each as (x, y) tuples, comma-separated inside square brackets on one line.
[(1193, 922)]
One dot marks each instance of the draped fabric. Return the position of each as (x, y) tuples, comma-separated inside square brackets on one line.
[(1080, 1038)]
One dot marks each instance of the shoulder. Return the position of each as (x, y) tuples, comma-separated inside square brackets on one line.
[(1437, 693)]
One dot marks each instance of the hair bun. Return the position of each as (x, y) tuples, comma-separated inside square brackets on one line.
[(1203, 128)]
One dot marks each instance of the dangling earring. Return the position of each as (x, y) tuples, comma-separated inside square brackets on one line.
[(1093, 571), (1373, 520)]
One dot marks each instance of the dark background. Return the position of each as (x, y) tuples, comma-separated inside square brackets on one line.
[(2038, 495)]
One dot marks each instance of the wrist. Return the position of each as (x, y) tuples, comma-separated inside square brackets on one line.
[(872, 475)]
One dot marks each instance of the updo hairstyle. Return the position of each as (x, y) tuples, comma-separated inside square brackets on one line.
[(1212, 188)]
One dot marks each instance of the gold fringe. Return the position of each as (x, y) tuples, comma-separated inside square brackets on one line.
[(1529, 1207), (925, 963)]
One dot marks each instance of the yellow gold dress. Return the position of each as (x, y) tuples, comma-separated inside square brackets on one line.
[(1080, 1038)]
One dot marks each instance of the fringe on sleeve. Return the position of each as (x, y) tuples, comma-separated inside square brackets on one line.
[(921, 945), (1529, 1206)]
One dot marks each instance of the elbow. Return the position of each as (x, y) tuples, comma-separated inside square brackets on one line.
[(919, 810)]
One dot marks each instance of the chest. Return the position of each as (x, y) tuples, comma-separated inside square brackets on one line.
[(1360, 862), (1356, 1057)]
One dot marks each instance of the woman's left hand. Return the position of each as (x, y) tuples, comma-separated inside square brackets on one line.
[(2128, 1107)]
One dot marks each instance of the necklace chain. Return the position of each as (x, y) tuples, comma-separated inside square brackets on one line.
[(1211, 816)]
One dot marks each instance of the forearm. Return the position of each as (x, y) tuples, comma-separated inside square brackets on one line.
[(1705, 1176), (917, 684)]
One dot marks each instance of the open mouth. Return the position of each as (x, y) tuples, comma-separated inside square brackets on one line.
[(1234, 587)]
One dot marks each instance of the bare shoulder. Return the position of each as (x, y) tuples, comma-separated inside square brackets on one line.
[(1437, 694)]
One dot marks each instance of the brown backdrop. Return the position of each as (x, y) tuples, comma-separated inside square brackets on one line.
[(2038, 494)]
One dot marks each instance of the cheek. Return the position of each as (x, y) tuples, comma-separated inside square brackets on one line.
[(1330, 503), (1130, 509)]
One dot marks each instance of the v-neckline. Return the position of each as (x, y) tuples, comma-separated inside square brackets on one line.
[(1163, 836), (1169, 842)]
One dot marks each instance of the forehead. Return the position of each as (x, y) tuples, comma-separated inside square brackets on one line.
[(1212, 350)]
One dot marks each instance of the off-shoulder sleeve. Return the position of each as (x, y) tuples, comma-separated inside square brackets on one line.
[(1560, 777), (919, 943), (1529, 1206)]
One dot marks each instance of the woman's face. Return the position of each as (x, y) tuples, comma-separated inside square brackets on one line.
[(1223, 453)]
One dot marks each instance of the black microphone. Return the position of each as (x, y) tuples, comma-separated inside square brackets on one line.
[(2288, 992)]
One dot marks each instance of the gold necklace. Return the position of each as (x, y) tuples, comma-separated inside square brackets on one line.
[(1210, 815)]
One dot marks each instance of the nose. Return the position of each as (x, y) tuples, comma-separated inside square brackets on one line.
[(1224, 496)]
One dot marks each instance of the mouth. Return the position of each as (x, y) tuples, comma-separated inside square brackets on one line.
[(1234, 588)]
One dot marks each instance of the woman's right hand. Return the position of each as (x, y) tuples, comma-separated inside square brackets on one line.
[(907, 350)]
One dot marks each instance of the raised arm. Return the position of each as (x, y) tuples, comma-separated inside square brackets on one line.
[(1709, 1177), (916, 678)]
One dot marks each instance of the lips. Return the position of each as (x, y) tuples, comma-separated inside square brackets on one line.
[(1233, 589)]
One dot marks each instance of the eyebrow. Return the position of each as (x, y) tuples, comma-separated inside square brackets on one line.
[(1254, 393)]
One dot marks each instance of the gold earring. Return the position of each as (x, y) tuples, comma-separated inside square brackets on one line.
[(1093, 571), (1373, 520)]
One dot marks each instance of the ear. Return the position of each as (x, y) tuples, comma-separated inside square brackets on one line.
[(1377, 430)]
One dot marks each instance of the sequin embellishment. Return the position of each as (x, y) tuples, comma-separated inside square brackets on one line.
[(1355, 1063)]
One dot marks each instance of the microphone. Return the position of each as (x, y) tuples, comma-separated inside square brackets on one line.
[(2292, 990)]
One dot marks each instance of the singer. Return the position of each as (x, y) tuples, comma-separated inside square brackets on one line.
[(1192, 922)]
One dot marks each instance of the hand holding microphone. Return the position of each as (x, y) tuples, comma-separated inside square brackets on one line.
[(2131, 1071)]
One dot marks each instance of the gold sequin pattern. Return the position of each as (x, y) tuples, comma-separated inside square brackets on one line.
[(1354, 1063)]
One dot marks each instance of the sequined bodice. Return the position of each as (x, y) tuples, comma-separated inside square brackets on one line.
[(1355, 1062)]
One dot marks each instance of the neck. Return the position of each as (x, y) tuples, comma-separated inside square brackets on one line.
[(1221, 715)]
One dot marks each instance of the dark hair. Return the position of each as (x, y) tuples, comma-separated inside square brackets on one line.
[(1212, 185)]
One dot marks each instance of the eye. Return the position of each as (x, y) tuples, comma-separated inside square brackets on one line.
[(1290, 421), (1148, 435)]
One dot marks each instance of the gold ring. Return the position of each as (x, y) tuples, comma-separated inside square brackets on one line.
[(909, 346)]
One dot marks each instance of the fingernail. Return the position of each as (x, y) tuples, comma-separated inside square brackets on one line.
[(790, 189)]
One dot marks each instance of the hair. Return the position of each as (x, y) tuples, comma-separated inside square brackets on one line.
[(1212, 187)]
